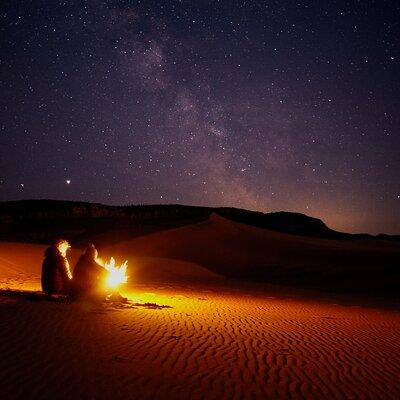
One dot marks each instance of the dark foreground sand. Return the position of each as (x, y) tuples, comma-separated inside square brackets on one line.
[(213, 342)]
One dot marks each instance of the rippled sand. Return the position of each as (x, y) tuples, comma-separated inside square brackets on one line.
[(209, 343)]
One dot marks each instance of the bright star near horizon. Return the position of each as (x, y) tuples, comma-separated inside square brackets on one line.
[(68, 181)]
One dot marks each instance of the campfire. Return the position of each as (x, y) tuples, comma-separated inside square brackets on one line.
[(116, 274)]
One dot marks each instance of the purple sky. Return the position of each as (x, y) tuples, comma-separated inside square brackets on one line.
[(276, 105)]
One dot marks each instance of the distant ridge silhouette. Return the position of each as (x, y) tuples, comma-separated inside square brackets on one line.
[(41, 220)]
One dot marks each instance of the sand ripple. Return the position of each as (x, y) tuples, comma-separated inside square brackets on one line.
[(210, 344)]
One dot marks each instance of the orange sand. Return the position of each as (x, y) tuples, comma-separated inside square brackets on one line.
[(214, 342)]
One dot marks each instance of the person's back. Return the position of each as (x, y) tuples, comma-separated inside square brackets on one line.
[(88, 275), (56, 275)]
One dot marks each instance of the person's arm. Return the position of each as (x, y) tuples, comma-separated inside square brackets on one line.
[(68, 269), (64, 269)]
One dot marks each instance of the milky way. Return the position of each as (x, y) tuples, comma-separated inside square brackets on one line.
[(275, 105)]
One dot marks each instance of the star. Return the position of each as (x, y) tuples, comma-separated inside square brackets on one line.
[(68, 181)]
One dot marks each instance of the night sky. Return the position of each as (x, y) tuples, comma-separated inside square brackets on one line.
[(264, 105)]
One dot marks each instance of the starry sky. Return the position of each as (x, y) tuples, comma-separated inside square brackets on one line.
[(264, 105)]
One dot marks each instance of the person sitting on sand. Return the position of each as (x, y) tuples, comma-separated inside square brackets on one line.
[(56, 275), (88, 276)]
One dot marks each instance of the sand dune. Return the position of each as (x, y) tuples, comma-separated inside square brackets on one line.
[(210, 250), (238, 250), (212, 342), (154, 269)]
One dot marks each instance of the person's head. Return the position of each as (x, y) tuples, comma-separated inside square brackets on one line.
[(91, 251), (62, 246)]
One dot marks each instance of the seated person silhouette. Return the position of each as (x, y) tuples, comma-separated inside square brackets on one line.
[(89, 276), (56, 275)]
